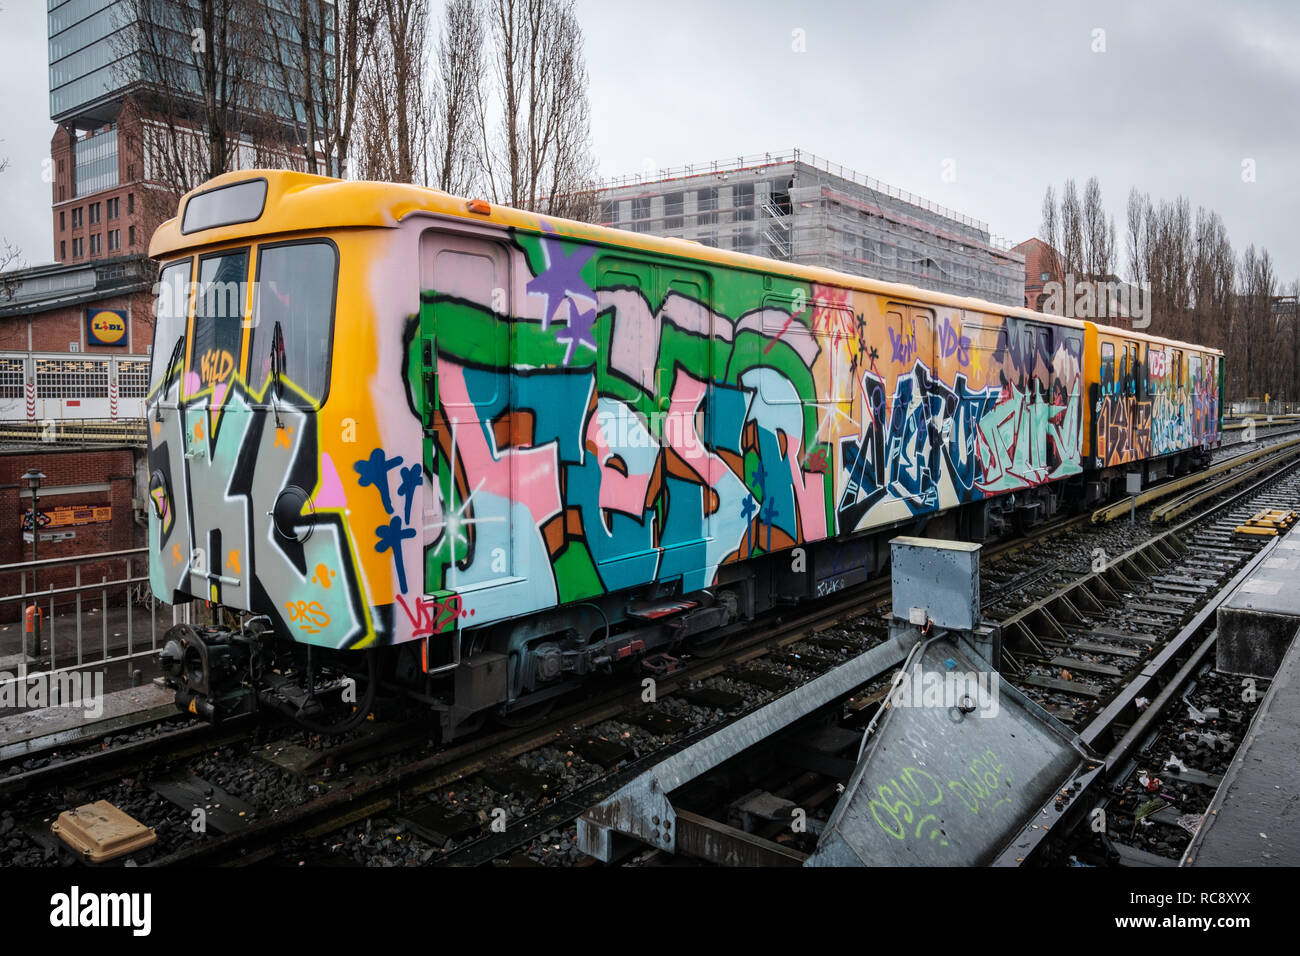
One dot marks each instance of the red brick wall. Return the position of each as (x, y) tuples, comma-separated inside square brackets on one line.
[(1038, 259), (114, 467), (52, 331)]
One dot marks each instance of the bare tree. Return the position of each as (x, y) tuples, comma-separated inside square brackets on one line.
[(1098, 247), (1050, 231), (1072, 231), (459, 68), (1137, 218), (9, 253), (392, 96), (537, 155), (316, 50)]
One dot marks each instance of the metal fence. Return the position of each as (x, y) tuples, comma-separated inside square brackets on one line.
[(96, 610)]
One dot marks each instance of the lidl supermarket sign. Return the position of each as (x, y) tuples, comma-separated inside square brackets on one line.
[(105, 327)]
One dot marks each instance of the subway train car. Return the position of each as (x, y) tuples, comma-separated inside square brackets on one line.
[(437, 451), (1153, 407)]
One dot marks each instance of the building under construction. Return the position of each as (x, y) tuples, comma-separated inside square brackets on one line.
[(799, 208)]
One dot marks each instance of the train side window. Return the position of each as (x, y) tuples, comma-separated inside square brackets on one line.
[(1107, 373)]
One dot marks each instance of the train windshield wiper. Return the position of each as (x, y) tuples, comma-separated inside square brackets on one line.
[(277, 365), (167, 376)]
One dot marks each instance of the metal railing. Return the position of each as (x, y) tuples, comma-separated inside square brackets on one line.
[(121, 605), (129, 431)]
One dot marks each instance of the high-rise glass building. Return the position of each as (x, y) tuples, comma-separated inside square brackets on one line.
[(102, 93)]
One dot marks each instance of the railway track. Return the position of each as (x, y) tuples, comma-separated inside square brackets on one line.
[(480, 802), (1074, 647)]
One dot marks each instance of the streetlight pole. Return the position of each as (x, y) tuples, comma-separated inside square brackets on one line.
[(33, 479)]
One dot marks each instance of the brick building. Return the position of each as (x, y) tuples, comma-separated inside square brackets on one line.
[(1041, 267), (75, 342), (89, 496), (1112, 300), (99, 193)]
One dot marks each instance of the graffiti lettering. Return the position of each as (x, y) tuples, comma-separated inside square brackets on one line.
[(952, 341), (215, 366), (308, 615), (432, 615)]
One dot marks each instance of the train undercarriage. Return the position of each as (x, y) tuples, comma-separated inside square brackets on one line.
[(514, 670)]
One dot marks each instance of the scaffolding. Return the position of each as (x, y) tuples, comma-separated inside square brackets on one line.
[(796, 207)]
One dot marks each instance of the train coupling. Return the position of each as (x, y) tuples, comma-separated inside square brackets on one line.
[(210, 668)]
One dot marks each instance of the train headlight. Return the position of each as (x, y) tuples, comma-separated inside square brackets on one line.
[(293, 514)]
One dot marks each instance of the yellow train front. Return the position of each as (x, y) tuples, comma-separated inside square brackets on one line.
[(422, 448)]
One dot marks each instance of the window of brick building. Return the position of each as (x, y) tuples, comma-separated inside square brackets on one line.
[(133, 377), (94, 213), (63, 221), (114, 239), (11, 378), (130, 202), (131, 235), (78, 247), (76, 218), (72, 378), (96, 244), (114, 207), (63, 249)]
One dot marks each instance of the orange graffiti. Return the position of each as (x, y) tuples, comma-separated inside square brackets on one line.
[(232, 560), (176, 553), (282, 436), (309, 615), (216, 366), (323, 575)]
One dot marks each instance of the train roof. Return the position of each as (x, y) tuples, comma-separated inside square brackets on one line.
[(303, 202)]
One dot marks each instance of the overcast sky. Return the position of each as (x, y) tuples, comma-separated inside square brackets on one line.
[(1011, 92)]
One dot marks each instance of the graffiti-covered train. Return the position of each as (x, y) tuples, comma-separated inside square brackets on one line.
[(422, 448)]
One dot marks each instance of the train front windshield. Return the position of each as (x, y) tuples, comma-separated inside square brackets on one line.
[(293, 316), (284, 326)]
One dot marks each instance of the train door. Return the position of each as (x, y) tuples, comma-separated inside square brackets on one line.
[(476, 505), (1112, 418), (215, 416), (703, 495), (169, 516), (619, 487), (924, 460), (1195, 400), (1139, 403)]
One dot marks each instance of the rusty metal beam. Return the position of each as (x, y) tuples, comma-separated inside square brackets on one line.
[(724, 845)]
